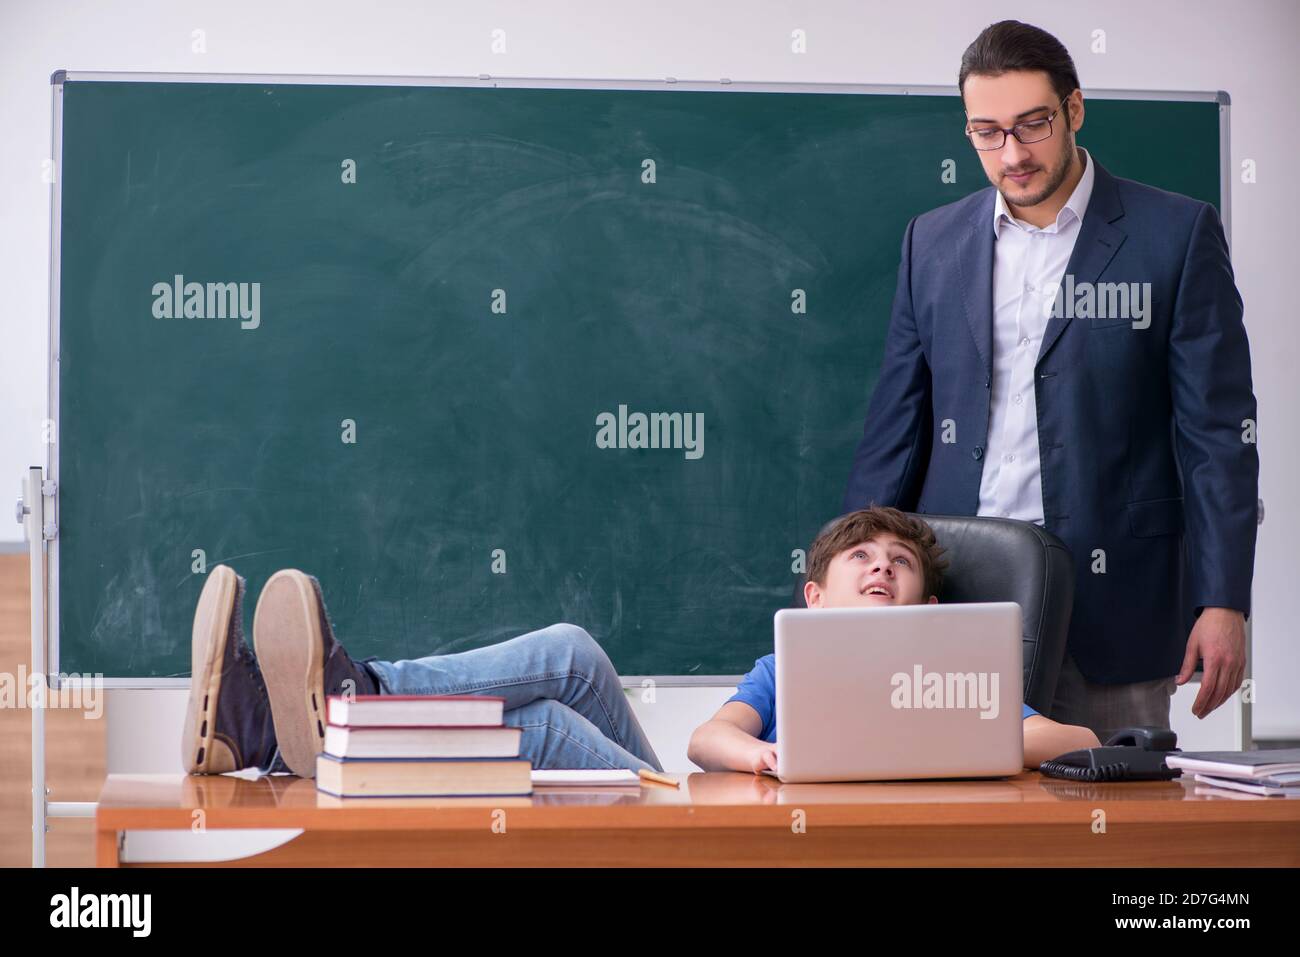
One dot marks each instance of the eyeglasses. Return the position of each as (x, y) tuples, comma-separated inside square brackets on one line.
[(1031, 131)]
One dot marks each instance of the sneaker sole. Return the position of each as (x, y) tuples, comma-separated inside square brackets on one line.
[(207, 651), (290, 649)]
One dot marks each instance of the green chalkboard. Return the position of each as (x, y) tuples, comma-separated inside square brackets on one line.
[(509, 265)]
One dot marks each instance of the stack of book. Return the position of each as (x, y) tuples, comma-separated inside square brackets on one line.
[(1267, 773), (420, 746)]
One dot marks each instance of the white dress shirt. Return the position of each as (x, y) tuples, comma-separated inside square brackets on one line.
[(1028, 265)]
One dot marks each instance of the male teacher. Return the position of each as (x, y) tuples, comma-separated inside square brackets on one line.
[(1125, 425)]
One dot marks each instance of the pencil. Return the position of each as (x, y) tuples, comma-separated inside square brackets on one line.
[(657, 778)]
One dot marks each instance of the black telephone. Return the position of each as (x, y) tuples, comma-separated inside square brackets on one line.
[(1130, 754)]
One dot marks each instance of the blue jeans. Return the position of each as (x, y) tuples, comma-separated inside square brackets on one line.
[(559, 687)]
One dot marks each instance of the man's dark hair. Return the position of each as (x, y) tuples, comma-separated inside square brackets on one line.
[(1012, 45), (865, 524)]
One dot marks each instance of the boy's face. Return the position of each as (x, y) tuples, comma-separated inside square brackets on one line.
[(883, 570)]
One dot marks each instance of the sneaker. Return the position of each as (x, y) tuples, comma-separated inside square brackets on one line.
[(228, 723), (303, 664)]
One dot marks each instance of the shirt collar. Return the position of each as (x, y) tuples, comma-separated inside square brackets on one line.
[(1074, 207)]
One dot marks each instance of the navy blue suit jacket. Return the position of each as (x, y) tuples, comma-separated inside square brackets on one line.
[(1140, 431)]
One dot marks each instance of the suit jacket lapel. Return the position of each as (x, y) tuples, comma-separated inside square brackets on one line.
[(1097, 244), (975, 273)]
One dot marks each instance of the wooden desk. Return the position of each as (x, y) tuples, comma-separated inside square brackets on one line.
[(726, 819)]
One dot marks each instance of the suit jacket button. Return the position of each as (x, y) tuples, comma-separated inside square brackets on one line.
[(977, 453)]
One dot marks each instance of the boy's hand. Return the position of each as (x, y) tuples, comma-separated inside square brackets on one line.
[(763, 758)]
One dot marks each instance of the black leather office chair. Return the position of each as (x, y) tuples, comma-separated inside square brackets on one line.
[(999, 559)]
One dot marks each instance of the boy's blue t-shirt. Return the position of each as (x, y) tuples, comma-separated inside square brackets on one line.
[(758, 690)]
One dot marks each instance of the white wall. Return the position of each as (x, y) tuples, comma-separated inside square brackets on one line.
[(1246, 49)]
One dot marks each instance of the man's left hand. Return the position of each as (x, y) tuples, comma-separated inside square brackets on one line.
[(1219, 639)]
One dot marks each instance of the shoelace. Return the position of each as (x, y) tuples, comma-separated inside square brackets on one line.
[(242, 652), (247, 658)]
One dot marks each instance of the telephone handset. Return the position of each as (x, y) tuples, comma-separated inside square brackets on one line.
[(1130, 754)]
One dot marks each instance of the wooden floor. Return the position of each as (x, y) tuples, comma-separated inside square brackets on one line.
[(75, 747)]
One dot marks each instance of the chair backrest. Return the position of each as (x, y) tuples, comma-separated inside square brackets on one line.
[(1000, 559)]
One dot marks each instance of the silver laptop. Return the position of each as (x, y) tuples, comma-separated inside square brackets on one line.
[(892, 693)]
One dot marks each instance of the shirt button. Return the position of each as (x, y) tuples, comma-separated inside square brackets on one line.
[(1010, 457), (1006, 514), (1024, 342), (977, 453), (1016, 398), (1029, 287)]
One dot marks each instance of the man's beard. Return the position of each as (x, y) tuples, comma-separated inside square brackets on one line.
[(1055, 177)]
